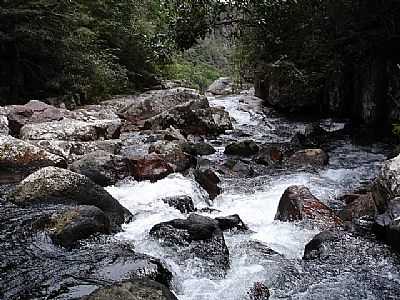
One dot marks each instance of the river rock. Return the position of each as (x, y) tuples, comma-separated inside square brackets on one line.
[(297, 203), (72, 130), (4, 130), (233, 222), (74, 150), (387, 225), (314, 136), (59, 186), (195, 117), (152, 103), (209, 181), (270, 155), (182, 203), (174, 154), (317, 247), (17, 156), (309, 157), (151, 167), (387, 184), (78, 223), (244, 148), (198, 235), (221, 86), (358, 205), (102, 167), (199, 148), (33, 112), (238, 167), (139, 289)]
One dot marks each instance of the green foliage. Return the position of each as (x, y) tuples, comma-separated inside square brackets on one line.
[(196, 75), (396, 130)]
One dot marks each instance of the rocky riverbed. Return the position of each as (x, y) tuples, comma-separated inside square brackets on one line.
[(174, 195)]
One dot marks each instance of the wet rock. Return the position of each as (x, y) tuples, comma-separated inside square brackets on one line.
[(172, 134), (33, 112), (317, 247), (102, 167), (232, 222), (78, 223), (20, 157), (358, 205), (195, 117), (387, 225), (309, 157), (221, 86), (244, 148), (198, 148), (73, 150), (209, 181), (387, 184), (4, 125), (72, 130), (259, 291), (139, 289), (182, 203), (314, 136), (239, 167), (149, 167), (270, 155), (173, 153), (59, 186), (297, 203), (199, 235)]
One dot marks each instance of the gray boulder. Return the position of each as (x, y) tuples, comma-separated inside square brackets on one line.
[(221, 86), (102, 167), (60, 186), (138, 289)]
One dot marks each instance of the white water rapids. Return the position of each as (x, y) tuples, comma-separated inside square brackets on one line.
[(255, 200)]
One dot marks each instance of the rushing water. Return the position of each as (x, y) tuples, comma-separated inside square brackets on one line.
[(362, 268)]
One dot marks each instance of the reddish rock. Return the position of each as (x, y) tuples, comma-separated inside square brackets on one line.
[(151, 167), (297, 203), (309, 157)]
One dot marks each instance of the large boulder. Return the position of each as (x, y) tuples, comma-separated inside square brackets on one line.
[(151, 167), (59, 186), (195, 117), (387, 184), (139, 289), (33, 112), (77, 223), (150, 104), (297, 203), (174, 154), (209, 181), (196, 235), (309, 157), (358, 205), (20, 157), (72, 130), (221, 86), (102, 167), (387, 225), (244, 148)]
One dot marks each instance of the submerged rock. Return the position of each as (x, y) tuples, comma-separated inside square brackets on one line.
[(244, 148), (316, 248), (59, 186), (78, 223), (20, 157), (196, 235), (182, 203), (387, 225), (309, 157), (297, 203), (209, 181), (139, 289), (102, 167)]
